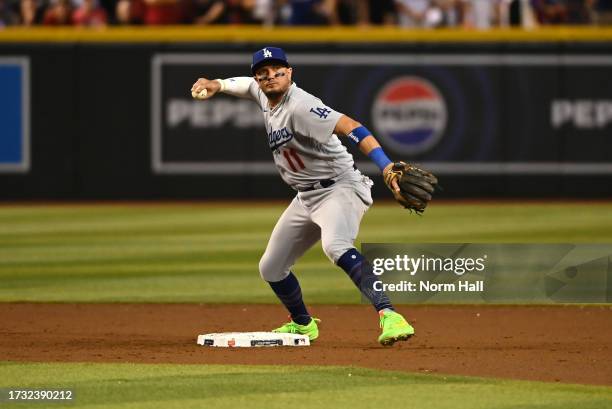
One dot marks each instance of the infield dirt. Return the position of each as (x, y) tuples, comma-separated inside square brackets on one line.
[(548, 343)]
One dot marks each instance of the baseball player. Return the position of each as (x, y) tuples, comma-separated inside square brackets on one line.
[(332, 195)]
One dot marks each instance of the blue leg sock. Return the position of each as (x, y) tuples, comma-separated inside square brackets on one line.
[(360, 271), (289, 292)]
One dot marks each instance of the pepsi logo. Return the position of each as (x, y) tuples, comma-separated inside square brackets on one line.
[(409, 115)]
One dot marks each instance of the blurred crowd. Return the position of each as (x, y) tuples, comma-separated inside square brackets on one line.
[(478, 14)]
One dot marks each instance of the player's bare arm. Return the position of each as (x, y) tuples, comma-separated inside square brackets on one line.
[(411, 186), (367, 145)]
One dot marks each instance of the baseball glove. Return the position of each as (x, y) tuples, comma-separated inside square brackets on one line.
[(416, 186)]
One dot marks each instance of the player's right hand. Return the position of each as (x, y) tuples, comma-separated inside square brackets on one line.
[(204, 88)]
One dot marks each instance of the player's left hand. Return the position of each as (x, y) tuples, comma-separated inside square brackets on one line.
[(412, 187)]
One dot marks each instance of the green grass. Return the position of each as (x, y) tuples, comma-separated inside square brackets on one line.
[(199, 253), (211, 386)]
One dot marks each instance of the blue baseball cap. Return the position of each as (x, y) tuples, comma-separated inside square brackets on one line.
[(268, 54)]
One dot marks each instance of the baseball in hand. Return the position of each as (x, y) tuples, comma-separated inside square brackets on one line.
[(201, 95)]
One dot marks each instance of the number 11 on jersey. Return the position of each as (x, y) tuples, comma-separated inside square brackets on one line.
[(293, 159)]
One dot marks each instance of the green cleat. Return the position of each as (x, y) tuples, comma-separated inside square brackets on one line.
[(394, 328), (311, 329)]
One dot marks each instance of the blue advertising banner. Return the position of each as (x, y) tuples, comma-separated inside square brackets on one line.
[(14, 114)]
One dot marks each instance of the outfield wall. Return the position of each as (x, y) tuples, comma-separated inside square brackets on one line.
[(108, 114)]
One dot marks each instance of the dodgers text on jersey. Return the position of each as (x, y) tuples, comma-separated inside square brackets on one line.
[(279, 137)]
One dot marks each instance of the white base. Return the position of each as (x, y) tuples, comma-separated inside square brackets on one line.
[(252, 339)]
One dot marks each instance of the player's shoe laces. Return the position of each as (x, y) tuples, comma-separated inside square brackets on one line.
[(311, 329), (394, 328)]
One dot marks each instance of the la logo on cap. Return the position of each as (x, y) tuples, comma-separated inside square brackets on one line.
[(267, 53)]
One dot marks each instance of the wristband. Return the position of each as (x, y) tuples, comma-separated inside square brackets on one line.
[(359, 134), (379, 157), (222, 82)]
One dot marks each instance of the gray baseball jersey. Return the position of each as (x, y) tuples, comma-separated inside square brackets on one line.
[(301, 136)]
